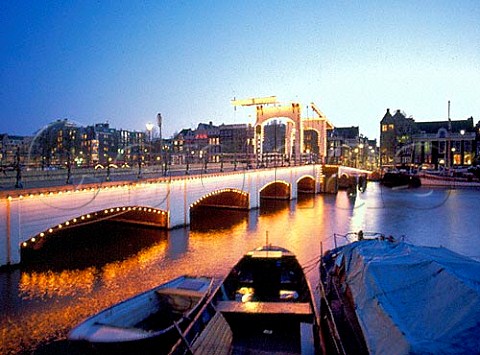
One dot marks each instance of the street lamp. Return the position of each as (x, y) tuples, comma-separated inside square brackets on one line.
[(149, 126)]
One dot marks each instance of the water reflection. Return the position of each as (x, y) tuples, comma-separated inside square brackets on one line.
[(40, 303), (208, 219)]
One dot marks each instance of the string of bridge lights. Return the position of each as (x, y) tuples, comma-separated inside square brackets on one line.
[(109, 185), (89, 216), (216, 193)]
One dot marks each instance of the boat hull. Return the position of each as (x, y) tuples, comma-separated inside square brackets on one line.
[(150, 322), (386, 296), (265, 305), (400, 180)]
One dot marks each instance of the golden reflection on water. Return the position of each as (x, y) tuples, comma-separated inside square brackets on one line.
[(50, 284), (49, 303), (73, 295)]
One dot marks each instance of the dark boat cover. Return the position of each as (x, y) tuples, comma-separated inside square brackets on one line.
[(412, 299)]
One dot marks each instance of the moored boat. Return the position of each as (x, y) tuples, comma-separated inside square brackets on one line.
[(384, 296), (264, 305), (149, 322), (435, 180), (400, 180)]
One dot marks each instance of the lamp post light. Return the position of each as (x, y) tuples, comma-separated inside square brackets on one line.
[(149, 127), (68, 163), (139, 163), (109, 162), (356, 157), (452, 157), (18, 169)]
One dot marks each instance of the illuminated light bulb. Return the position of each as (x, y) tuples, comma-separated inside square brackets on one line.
[(106, 211), (50, 230), (21, 197), (149, 210), (118, 209), (83, 217), (67, 223), (74, 220), (42, 234), (123, 208), (24, 244), (88, 216), (31, 195), (59, 226), (9, 198), (111, 209)]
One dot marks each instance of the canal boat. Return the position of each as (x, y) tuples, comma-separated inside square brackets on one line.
[(382, 296), (400, 179), (264, 305), (435, 180), (150, 322)]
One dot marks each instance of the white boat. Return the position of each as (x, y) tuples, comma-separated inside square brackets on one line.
[(448, 182), (149, 322), (382, 296)]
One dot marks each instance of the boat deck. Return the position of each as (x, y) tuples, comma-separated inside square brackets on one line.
[(292, 308)]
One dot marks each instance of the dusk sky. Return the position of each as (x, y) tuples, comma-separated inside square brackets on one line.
[(125, 61)]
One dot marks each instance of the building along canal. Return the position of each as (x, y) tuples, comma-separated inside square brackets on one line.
[(98, 265)]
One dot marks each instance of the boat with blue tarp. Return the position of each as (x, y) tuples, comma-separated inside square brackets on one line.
[(385, 296)]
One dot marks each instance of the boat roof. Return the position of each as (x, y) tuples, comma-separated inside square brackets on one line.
[(269, 251), (413, 299)]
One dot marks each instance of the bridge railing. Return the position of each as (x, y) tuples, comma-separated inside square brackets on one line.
[(9, 180)]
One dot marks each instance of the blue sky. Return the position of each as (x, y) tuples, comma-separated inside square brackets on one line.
[(123, 61)]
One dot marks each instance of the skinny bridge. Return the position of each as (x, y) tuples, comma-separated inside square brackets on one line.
[(28, 217)]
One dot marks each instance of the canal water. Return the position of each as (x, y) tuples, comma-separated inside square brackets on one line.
[(102, 264)]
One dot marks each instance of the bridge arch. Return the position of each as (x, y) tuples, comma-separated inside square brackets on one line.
[(141, 215), (311, 143), (223, 198), (294, 130), (306, 184), (276, 190)]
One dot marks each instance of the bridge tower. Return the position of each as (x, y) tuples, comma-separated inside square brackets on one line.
[(318, 124), (268, 108)]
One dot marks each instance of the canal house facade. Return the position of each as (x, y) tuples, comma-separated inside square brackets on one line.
[(436, 144)]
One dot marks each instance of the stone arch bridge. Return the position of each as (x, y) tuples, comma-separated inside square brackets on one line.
[(29, 216)]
